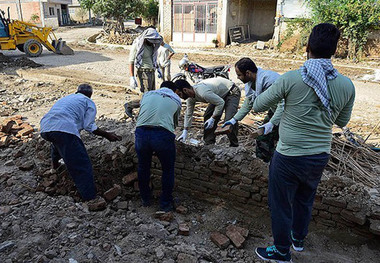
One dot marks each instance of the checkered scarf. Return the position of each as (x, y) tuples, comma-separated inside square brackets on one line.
[(153, 37), (315, 73)]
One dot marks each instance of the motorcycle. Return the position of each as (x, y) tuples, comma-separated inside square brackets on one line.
[(196, 73)]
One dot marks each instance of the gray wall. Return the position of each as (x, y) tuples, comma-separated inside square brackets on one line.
[(258, 14)]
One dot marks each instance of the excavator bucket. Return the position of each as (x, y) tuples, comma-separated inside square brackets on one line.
[(61, 47)]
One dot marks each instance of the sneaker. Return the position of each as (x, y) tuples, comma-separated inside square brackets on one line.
[(271, 253), (297, 244)]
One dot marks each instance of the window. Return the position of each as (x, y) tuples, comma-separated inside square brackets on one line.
[(51, 11), (212, 18), (177, 18)]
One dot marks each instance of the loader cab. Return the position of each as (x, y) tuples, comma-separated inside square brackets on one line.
[(4, 25)]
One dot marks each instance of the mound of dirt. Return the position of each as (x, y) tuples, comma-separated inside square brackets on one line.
[(23, 62)]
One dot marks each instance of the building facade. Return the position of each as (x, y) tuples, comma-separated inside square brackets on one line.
[(201, 22), (52, 13)]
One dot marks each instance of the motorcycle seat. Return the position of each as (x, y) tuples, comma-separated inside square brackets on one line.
[(213, 69)]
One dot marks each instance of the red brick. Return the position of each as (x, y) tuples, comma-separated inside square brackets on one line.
[(4, 141), (26, 131), (181, 209), (183, 229), (226, 130), (236, 238), (97, 204), (220, 240), (112, 193), (243, 231), (7, 125), (130, 178)]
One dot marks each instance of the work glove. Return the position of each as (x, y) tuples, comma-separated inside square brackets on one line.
[(209, 123), (229, 122), (132, 82), (183, 136), (268, 127), (159, 73)]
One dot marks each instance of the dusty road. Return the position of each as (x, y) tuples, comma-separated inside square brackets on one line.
[(107, 66), (143, 238)]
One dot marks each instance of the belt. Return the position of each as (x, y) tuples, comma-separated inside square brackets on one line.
[(145, 69), (233, 89)]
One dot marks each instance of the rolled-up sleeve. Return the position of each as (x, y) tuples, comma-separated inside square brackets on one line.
[(89, 117)]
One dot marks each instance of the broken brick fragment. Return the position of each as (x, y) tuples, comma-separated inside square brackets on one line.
[(236, 238), (243, 231), (130, 178), (183, 229), (164, 216), (220, 240), (26, 131), (26, 166), (225, 130), (4, 141), (97, 204), (112, 193), (7, 125), (181, 209)]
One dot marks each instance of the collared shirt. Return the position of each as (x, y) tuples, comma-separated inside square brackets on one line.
[(305, 126), (210, 91), (158, 110), (71, 114), (163, 54), (264, 79), (147, 59)]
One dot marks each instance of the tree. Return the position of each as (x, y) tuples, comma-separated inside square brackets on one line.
[(354, 18), (118, 9), (150, 11), (88, 5)]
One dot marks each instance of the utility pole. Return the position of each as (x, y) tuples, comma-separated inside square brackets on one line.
[(20, 7)]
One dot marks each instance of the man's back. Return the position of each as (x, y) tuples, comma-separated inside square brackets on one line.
[(158, 110), (217, 86), (305, 126), (70, 114)]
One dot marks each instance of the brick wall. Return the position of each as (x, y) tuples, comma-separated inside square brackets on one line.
[(242, 181), (28, 10)]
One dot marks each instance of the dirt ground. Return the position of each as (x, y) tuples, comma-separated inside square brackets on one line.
[(58, 229)]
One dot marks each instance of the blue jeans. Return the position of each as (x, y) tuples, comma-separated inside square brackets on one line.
[(156, 140), (293, 182), (71, 149)]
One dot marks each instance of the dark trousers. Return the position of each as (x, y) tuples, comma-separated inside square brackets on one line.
[(157, 140), (71, 149), (293, 182), (146, 82), (231, 106)]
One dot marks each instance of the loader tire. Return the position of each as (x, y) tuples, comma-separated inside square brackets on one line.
[(21, 47), (33, 48)]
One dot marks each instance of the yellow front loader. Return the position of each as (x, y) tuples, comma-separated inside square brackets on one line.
[(29, 38)]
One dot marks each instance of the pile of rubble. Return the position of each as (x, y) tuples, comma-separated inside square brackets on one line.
[(113, 35), (23, 62), (14, 130)]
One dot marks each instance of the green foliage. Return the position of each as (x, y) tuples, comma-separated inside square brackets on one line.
[(34, 18), (118, 9), (150, 10), (87, 4), (301, 26), (355, 19)]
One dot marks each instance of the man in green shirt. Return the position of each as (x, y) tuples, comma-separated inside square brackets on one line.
[(143, 56), (157, 119), (256, 81), (316, 97), (221, 94)]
